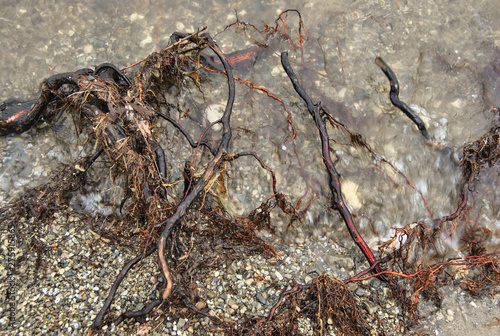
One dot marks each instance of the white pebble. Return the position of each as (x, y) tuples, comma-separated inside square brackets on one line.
[(341, 93), (214, 113), (147, 40), (180, 26), (88, 48)]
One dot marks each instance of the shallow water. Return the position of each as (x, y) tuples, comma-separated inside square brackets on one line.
[(439, 52)]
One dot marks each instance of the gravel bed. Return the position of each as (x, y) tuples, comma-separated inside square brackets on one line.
[(79, 267)]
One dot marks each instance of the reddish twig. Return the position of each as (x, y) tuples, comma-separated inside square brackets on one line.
[(333, 177), (294, 289)]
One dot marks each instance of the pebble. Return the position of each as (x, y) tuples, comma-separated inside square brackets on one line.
[(88, 49), (362, 292), (180, 26), (148, 39), (342, 92), (181, 323), (261, 299), (200, 305)]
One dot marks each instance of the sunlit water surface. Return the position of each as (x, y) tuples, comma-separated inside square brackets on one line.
[(441, 52)]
